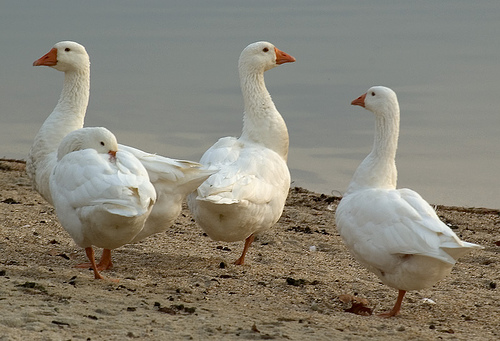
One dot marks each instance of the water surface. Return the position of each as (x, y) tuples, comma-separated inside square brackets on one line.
[(164, 79)]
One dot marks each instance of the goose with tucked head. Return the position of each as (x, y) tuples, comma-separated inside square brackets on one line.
[(393, 232), (102, 195), (247, 194)]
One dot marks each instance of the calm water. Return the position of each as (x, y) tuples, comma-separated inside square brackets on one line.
[(164, 79)]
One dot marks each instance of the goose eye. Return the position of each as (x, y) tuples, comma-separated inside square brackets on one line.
[(373, 93), (102, 143), (265, 49), (67, 49)]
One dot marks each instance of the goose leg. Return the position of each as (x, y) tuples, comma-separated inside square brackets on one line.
[(104, 264), (248, 241), (397, 307), (90, 255)]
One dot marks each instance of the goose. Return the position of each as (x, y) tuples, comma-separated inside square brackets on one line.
[(247, 194), (393, 232), (102, 195), (173, 179), (68, 115)]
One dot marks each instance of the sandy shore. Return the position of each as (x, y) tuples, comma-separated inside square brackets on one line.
[(181, 285)]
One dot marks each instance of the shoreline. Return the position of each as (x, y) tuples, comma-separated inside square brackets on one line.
[(473, 209)]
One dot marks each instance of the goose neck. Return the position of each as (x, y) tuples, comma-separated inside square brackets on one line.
[(378, 169), (262, 123), (75, 93), (386, 138), (255, 95), (69, 113)]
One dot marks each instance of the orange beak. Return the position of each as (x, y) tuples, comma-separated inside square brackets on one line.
[(359, 101), (282, 57), (112, 153), (49, 59)]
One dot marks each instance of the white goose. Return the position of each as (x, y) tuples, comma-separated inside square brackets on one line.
[(393, 232), (173, 179), (68, 115), (102, 195), (247, 195)]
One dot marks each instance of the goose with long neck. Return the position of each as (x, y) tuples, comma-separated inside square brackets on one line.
[(68, 115), (378, 169), (247, 194), (173, 179), (262, 123), (393, 232)]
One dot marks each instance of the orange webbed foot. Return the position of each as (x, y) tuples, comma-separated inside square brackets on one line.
[(387, 314)]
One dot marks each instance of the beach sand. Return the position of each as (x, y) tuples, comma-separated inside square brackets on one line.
[(181, 285)]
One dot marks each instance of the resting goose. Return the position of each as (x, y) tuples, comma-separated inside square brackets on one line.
[(102, 195), (173, 179), (247, 194), (393, 232)]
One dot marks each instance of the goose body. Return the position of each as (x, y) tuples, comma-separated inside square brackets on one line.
[(102, 195), (247, 194), (393, 232), (173, 179)]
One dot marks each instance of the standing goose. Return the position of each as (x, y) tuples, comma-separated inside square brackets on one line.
[(393, 232), (102, 195), (173, 179), (68, 115), (247, 194)]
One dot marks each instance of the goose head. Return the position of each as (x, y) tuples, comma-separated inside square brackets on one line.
[(379, 100), (65, 56), (98, 138), (262, 56)]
